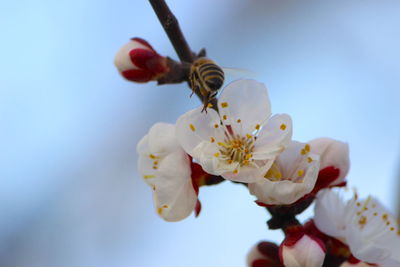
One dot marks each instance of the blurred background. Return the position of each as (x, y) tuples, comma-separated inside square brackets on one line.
[(70, 194)]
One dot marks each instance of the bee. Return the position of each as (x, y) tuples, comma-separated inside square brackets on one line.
[(207, 78)]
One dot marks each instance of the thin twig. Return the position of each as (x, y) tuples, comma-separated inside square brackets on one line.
[(171, 27)]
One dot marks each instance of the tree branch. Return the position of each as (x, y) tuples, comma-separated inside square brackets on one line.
[(171, 27)]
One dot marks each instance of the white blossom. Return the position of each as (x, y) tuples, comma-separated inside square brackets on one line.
[(240, 142), (166, 168), (292, 175), (305, 252), (369, 230)]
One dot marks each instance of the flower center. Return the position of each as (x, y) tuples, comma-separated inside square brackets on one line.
[(237, 149)]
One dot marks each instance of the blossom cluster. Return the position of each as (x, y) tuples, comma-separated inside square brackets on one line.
[(240, 140), (243, 142)]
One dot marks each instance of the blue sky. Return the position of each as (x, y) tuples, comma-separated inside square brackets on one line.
[(69, 191)]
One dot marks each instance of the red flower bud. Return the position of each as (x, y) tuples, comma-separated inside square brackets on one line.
[(137, 61)]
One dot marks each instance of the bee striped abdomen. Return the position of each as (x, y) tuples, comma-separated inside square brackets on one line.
[(212, 75), (207, 78)]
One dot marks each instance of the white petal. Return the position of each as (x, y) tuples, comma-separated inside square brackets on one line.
[(280, 192), (290, 186), (248, 174), (122, 59), (306, 252), (174, 195), (274, 137), (142, 147), (333, 153), (329, 213), (162, 139), (147, 170), (246, 100), (205, 153), (195, 127), (373, 235)]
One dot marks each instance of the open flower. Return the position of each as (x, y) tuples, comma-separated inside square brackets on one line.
[(300, 249), (370, 231), (292, 175), (137, 61), (240, 142), (167, 169)]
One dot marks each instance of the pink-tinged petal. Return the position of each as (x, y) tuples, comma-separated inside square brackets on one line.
[(174, 195), (274, 137), (247, 101), (195, 127), (305, 252), (333, 154)]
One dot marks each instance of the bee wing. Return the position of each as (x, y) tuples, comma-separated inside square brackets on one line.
[(236, 73)]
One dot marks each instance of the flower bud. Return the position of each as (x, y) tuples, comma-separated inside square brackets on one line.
[(334, 161), (137, 61), (264, 254), (300, 249)]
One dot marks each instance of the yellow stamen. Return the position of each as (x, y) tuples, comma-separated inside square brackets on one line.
[(249, 136), (300, 172), (155, 167), (212, 139), (152, 156), (235, 171), (148, 176), (159, 211), (224, 117), (363, 220), (309, 159), (191, 126), (385, 217), (239, 121), (216, 154), (209, 105), (307, 147), (216, 125), (224, 104), (257, 127), (283, 127)]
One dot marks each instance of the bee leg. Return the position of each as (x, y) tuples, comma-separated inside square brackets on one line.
[(205, 101)]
